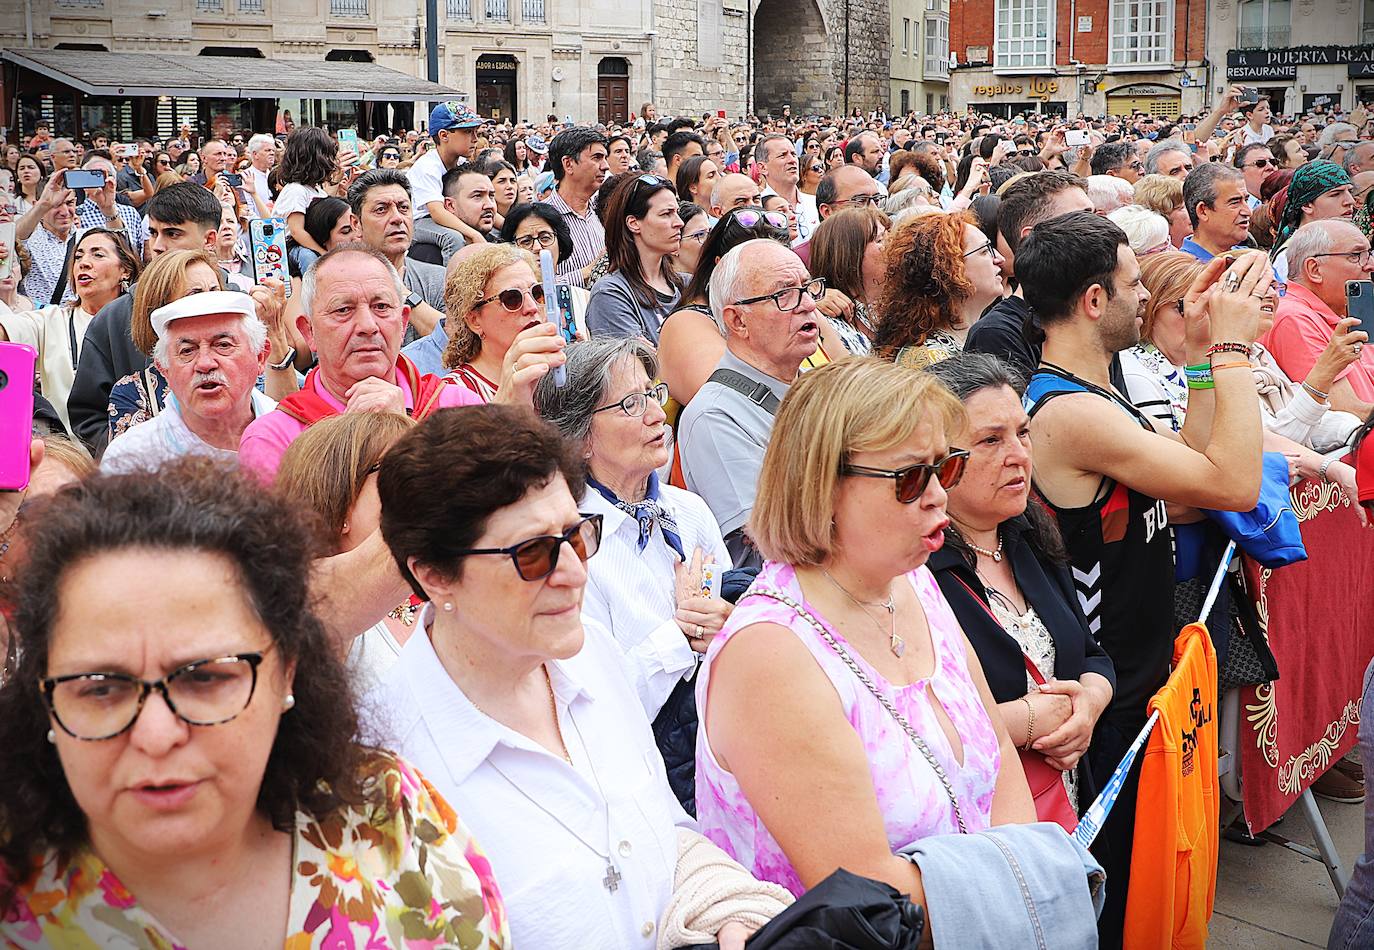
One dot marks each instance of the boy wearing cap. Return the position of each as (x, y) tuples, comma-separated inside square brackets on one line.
[(211, 347), (453, 127)]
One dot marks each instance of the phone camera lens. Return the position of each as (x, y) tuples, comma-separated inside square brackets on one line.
[(4, 379)]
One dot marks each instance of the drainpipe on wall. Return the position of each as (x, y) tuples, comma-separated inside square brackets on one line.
[(28, 23)]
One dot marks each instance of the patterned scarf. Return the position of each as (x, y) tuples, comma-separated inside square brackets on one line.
[(1309, 183), (646, 512)]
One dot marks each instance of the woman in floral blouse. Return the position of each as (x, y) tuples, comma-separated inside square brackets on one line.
[(179, 745)]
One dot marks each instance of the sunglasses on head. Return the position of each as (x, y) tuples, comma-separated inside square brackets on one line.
[(537, 558), (911, 482), (513, 298)]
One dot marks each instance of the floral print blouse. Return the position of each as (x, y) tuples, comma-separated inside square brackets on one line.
[(401, 872)]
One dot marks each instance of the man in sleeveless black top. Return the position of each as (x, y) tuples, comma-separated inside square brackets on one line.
[(1107, 474)]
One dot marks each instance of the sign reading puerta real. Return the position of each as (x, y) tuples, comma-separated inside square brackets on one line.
[(1281, 64)]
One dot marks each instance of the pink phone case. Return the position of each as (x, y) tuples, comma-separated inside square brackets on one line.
[(17, 362)]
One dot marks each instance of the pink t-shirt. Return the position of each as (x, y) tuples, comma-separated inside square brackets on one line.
[(266, 438), (1303, 326)]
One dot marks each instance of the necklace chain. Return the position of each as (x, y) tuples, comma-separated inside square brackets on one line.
[(894, 643), (995, 554)]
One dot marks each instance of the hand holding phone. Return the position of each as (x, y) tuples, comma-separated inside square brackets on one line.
[(17, 363), (1359, 303), (84, 178), (1248, 95), (1076, 138)]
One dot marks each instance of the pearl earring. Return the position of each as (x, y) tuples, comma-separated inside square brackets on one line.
[(288, 702), (448, 607), (52, 737), (345, 527)]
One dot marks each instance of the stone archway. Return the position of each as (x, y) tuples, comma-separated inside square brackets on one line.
[(792, 58)]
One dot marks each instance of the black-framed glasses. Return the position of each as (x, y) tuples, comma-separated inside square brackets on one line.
[(986, 246), (96, 706), (537, 558), (542, 238), (513, 298), (749, 217), (636, 404), (1358, 258), (790, 298), (911, 482), (862, 201)]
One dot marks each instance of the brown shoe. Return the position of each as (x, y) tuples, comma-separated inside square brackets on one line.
[(1352, 769), (1336, 786)]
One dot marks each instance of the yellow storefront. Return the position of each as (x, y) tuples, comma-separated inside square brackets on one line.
[(1154, 99)]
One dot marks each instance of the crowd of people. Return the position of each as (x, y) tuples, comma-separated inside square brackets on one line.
[(848, 498)]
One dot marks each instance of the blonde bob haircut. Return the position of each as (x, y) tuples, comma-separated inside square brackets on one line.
[(163, 281), (863, 404), (465, 285)]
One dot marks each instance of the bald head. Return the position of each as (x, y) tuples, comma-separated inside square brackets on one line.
[(733, 191), (844, 185), (1323, 255)]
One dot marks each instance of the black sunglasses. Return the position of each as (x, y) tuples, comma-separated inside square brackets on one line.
[(513, 298), (537, 558), (913, 480)]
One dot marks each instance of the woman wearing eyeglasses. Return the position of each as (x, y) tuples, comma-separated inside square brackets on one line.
[(1004, 571), (844, 715), (180, 745), (645, 586), (495, 305), (641, 288), (942, 272), (519, 711)]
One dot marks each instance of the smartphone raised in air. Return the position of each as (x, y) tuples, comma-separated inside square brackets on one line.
[(17, 362), (84, 178), (267, 244)]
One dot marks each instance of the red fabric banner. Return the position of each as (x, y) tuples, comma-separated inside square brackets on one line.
[(1319, 618)]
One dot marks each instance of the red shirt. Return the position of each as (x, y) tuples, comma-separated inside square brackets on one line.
[(1303, 325)]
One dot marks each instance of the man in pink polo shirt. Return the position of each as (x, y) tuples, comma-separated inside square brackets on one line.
[(354, 319), (1322, 256)]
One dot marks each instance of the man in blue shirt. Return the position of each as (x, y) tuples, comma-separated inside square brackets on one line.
[(1215, 196)]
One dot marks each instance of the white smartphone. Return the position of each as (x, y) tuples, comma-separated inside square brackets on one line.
[(1076, 137)]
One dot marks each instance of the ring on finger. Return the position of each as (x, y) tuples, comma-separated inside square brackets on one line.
[(699, 631)]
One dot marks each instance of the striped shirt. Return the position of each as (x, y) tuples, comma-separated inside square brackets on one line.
[(588, 238)]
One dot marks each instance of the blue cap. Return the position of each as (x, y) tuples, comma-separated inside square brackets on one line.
[(536, 144), (543, 184), (452, 115)]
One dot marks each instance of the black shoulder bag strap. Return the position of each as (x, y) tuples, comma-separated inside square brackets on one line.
[(756, 392), (61, 288)]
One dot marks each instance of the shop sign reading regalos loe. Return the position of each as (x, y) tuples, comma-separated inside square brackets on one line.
[(1036, 89)]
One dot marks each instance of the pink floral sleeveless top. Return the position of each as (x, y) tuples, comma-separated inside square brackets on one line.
[(911, 797)]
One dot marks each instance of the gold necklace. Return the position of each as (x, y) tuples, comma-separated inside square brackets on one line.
[(894, 643)]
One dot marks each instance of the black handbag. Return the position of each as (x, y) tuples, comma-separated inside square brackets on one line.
[(843, 912)]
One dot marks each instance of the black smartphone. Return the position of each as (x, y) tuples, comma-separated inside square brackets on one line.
[(1359, 302), (234, 179), (1249, 94)]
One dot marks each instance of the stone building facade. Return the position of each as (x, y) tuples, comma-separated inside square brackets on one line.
[(588, 59)]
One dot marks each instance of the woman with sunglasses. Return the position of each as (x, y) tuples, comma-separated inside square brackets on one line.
[(811, 174), (692, 341), (645, 587), (515, 707), (494, 300), (389, 157), (1005, 573), (641, 287), (180, 744), (941, 273), (843, 714)]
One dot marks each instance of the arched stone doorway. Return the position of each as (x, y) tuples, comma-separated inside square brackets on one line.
[(792, 58)]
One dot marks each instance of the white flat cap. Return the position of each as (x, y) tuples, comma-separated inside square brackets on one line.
[(202, 305)]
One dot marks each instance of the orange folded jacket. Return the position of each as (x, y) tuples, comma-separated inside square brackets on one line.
[(1174, 855)]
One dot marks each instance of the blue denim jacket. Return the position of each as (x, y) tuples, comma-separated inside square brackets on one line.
[(1025, 886), (427, 353)]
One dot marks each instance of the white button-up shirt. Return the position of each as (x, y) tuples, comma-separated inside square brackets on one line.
[(529, 810), (632, 593)]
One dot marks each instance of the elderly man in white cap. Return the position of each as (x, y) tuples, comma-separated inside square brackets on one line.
[(211, 347)]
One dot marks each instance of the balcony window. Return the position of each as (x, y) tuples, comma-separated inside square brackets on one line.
[(460, 9), (532, 11), (937, 47), (1264, 24), (498, 10), (348, 8), (1141, 32), (1025, 34)]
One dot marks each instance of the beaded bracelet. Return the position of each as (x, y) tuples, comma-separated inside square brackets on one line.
[(1242, 348)]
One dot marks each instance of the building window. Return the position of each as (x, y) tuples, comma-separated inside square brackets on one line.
[(1140, 32), (937, 48), (349, 8), (906, 101), (1264, 24), (1367, 33), (1025, 34), (532, 11), (906, 35), (459, 9)]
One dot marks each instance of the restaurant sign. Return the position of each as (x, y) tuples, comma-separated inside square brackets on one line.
[(1243, 64)]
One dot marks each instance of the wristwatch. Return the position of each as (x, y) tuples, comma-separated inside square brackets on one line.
[(414, 300), (290, 356)]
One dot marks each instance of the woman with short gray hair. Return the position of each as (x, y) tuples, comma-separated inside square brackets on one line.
[(650, 583)]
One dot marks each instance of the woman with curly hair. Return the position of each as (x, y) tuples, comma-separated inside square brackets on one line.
[(941, 273), (180, 745), (847, 250)]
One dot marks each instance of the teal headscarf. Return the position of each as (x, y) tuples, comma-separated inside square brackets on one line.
[(1309, 183)]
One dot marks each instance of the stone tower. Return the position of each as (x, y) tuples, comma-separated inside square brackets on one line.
[(798, 53)]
